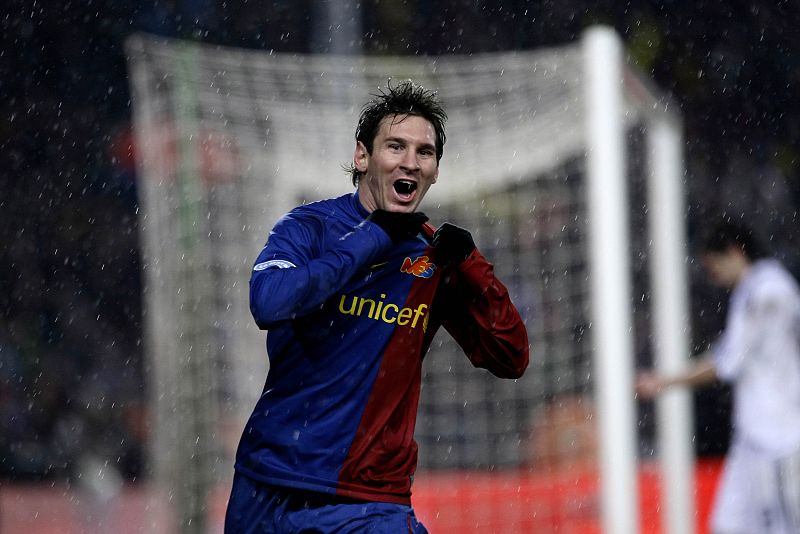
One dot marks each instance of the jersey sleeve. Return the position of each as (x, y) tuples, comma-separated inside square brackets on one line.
[(476, 310), (297, 271)]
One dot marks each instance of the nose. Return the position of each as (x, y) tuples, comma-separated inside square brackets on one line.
[(410, 162)]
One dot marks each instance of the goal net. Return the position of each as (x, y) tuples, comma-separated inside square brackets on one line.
[(228, 140)]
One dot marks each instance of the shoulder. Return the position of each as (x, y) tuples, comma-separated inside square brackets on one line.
[(317, 222), (313, 213), (329, 208), (773, 283)]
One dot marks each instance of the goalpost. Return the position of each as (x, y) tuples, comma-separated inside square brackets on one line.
[(564, 164), (611, 295)]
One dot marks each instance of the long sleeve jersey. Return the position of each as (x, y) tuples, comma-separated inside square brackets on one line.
[(759, 353), (349, 316)]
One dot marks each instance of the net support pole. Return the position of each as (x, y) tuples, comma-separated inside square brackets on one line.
[(610, 279), (193, 363), (670, 321), (336, 27)]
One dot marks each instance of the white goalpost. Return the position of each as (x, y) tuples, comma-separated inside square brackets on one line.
[(609, 274), (670, 319), (611, 310), (564, 163)]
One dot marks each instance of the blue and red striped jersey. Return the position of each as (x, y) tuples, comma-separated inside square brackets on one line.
[(349, 317)]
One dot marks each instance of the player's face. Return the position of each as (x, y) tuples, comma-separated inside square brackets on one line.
[(724, 268), (402, 166)]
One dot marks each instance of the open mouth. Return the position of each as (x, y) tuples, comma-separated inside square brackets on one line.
[(405, 187)]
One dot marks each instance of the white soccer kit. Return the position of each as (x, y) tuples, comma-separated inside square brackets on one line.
[(759, 354)]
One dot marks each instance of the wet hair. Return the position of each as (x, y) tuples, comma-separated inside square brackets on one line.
[(726, 233), (405, 98)]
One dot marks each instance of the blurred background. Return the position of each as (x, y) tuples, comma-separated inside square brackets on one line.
[(72, 370)]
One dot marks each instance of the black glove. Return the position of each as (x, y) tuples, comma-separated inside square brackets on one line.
[(399, 225), (452, 243)]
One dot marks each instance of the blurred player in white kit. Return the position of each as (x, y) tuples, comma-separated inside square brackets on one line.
[(758, 353)]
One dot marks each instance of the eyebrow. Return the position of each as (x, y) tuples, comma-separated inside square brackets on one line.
[(402, 141)]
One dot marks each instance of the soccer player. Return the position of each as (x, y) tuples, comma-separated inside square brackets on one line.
[(351, 291), (759, 354)]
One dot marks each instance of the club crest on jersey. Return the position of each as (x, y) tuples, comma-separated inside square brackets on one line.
[(421, 267)]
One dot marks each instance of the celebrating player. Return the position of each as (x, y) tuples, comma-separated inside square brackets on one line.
[(351, 291), (759, 353)]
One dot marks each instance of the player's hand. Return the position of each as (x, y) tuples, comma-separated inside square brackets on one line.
[(399, 225), (648, 385), (452, 243)]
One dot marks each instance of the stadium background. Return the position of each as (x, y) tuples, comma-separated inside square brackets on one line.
[(71, 364)]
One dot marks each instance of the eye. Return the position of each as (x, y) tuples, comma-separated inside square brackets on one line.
[(395, 146)]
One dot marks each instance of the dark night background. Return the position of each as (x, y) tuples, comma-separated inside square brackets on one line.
[(71, 369)]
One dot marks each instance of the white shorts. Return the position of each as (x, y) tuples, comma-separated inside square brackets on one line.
[(758, 494)]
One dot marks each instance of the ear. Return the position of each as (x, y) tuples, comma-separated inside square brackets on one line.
[(361, 157), (436, 174)]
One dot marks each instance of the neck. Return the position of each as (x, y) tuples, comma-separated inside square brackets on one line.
[(744, 268)]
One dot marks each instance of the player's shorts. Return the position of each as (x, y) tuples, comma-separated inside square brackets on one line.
[(758, 493), (256, 508)]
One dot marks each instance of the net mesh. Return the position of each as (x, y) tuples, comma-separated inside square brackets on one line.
[(228, 140)]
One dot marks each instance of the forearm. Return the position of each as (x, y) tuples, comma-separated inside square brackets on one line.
[(702, 371), (278, 294), (485, 322)]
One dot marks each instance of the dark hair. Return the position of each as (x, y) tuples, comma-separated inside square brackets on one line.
[(726, 233), (405, 98)]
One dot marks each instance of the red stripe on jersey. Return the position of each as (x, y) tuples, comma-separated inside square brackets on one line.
[(383, 453)]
